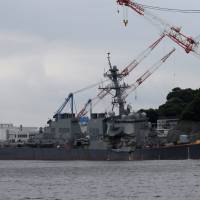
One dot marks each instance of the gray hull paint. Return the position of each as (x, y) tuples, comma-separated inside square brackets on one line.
[(166, 153)]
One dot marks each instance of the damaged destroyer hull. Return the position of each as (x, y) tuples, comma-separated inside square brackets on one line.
[(163, 153)]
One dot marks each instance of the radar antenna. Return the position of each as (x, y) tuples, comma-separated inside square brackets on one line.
[(115, 76)]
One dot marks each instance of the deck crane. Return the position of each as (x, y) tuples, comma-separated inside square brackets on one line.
[(125, 72), (189, 44), (147, 74), (69, 98), (90, 103), (84, 111)]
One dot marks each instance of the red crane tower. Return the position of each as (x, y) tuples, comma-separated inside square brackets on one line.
[(189, 44)]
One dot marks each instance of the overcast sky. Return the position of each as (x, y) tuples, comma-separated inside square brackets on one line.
[(49, 48)]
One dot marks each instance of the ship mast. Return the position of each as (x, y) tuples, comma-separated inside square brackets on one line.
[(116, 77)]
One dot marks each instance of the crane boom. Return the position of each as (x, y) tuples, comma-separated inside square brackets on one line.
[(146, 75), (125, 72), (131, 87), (141, 57), (60, 109), (189, 44), (130, 67), (90, 102), (84, 111)]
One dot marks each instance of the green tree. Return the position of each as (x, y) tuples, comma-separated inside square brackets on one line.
[(192, 111), (181, 103), (187, 95), (172, 108), (152, 114)]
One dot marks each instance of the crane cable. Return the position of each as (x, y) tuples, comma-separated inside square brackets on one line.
[(165, 9), (90, 86)]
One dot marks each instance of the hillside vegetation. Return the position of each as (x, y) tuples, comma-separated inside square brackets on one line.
[(181, 103)]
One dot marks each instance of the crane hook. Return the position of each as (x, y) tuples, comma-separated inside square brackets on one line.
[(125, 22)]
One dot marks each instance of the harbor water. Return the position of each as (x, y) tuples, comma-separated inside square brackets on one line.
[(83, 180)]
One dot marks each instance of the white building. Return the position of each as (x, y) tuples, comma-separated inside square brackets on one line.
[(4, 130), (14, 134), (164, 125)]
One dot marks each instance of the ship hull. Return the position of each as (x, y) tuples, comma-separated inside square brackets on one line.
[(162, 153)]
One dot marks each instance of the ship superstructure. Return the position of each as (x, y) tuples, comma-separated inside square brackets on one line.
[(122, 129)]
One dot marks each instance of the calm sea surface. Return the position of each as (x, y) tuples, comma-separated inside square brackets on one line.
[(143, 180)]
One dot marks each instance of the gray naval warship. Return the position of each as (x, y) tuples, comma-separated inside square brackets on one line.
[(124, 136), (107, 134)]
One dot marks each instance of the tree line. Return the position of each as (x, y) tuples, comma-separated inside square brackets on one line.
[(183, 104)]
